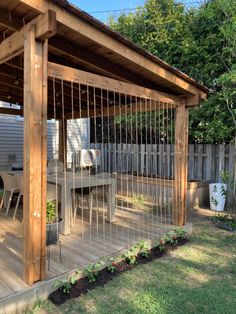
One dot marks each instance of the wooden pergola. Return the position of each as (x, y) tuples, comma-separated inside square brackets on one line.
[(41, 39)]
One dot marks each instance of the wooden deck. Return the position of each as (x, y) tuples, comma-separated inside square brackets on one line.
[(87, 243)]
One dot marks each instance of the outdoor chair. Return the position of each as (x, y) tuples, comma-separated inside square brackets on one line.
[(81, 193), (95, 192), (55, 166), (10, 186)]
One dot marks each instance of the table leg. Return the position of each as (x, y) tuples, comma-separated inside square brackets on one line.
[(66, 207), (6, 199), (111, 202)]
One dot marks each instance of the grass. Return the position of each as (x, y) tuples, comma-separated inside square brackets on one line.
[(199, 277)]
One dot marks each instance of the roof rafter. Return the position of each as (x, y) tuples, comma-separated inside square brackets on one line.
[(45, 27), (10, 21), (73, 22)]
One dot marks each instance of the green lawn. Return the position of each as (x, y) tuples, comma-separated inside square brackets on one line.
[(199, 277)]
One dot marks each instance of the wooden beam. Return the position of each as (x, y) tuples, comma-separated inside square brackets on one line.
[(86, 78), (181, 164), (45, 27), (35, 156), (111, 111), (194, 101), (11, 111), (118, 47)]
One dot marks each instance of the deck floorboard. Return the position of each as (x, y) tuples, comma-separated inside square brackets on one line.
[(86, 243)]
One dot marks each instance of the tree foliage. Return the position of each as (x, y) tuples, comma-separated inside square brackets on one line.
[(200, 42)]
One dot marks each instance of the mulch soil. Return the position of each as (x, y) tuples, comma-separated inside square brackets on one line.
[(82, 286)]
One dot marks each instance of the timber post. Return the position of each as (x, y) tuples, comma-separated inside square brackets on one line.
[(35, 148), (181, 165)]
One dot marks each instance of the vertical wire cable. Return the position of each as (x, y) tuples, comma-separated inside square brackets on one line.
[(109, 153), (165, 161), (96, 165), (170, 151), (121, 164), (114, 170), (151, 202), (64, 142), (80, 168), (126, 164), (142, 162), (102, 160), (132, 162), (173, 159), (55, 116), (88, 115), (159, 163), (163, 166), (137, 164), (156, 164), (171, 165), (73, 168), (168, 160), (146, 161)]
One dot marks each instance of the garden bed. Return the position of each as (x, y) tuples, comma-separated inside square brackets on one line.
[(153, 189), (225, 222), (98, 274)]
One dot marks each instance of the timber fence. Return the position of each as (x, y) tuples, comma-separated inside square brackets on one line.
[(206, 161)]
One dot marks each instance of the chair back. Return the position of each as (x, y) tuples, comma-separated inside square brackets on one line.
[(55, 166), (19, 182), (9, 181)]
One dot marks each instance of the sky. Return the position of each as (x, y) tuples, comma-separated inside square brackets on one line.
[(93, 6)]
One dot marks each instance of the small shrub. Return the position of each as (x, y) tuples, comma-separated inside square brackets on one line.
[(91, 271), (161, 245), (225, 222), (64, 285), (143, 248), (112, 268), (129, 257), (181, 233), (171, 238), (51, 212)]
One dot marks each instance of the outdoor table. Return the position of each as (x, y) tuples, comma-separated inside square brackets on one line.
[(70, 181)]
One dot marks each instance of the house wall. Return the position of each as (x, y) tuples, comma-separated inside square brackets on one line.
[(11, 139)]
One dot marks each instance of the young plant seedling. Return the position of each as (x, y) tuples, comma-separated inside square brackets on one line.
[(143, 248)]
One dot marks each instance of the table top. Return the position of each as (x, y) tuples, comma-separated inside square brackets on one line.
[(75, 180)]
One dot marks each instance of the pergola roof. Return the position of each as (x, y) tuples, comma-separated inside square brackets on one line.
[(84, 43)]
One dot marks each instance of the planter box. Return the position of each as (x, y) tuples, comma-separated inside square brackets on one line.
[(158, 190)]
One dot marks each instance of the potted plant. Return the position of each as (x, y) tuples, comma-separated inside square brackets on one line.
[(53, 224), (218, 192)]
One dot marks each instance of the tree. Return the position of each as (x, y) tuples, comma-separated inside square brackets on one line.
[(199, 42)]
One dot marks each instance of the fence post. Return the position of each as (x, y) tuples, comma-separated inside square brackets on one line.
[(191, 161)]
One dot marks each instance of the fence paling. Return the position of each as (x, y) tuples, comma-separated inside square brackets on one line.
[(205, 160)]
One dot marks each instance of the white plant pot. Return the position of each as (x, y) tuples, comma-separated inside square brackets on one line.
[(217, 193)]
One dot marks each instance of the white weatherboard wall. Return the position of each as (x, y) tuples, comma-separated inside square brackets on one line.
[(11, 139)]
